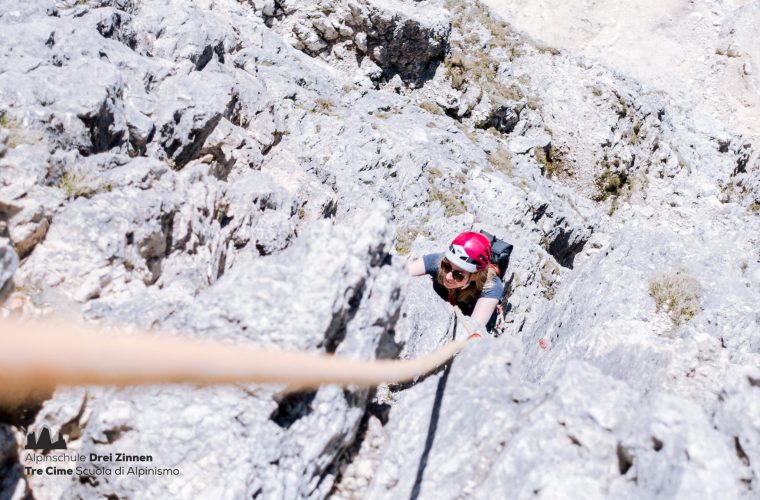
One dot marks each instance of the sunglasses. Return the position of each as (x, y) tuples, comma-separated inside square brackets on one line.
[(448, 268)]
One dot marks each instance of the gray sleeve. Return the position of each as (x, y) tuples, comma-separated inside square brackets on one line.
[(432, 261), (495, 292)]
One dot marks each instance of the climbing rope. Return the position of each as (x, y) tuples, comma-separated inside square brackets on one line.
[(40, 356), (467, 324)]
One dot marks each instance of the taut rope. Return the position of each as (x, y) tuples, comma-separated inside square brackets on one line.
[(40, 356)]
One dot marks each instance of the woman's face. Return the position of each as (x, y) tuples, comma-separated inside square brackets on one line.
[(453, 276)]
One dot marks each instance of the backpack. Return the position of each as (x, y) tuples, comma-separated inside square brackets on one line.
[(500, 252)]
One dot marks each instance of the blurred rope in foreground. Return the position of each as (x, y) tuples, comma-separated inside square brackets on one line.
[(37, 357)]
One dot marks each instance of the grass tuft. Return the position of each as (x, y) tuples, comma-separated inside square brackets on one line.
[(431, 107), (501, 160), (77, 184), (406, 236), (324, 105), (678, 294), (611, 182), (449, 197)]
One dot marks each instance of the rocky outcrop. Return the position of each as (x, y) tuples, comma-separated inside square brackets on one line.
[(277, 440), (604, 437), (11, 483), (8, 256), (8, 266), (197, 167), (386, 39)]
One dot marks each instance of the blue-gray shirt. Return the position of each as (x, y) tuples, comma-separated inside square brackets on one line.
[(433, 260)]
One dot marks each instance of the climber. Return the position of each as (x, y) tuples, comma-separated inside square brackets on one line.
[(465, 276)]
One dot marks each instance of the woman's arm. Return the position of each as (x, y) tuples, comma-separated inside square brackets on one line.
[(484, 308), (415, 267)]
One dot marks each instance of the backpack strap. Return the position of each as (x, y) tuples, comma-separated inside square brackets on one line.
[(495, 269)]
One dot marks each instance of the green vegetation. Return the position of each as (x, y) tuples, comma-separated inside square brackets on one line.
[(545, 158), (552, 161), (678, 294), (501, 160), (634, 136), (453, 205), (470, 59), (623, 109), (468, 131), (76, 184), (754, 207), (433, 173), (611, 182), (15, 133), (546, 49), (405, 238), (323, 105), (548, 276), (431, 107), (449, 197)]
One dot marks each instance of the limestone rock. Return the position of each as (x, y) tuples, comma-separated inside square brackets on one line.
[(258, 172), (12, 483), (3, 140), (405, 38), (8, 266)]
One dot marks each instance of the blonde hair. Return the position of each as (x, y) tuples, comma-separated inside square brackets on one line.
[(479, 281)]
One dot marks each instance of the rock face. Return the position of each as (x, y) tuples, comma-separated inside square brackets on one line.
[(8, 256), (404, 39), (708, 44), (257, 172)]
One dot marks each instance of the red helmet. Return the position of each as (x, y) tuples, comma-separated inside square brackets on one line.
[(471, 251)]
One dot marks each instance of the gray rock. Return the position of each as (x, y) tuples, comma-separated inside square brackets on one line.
[(426, 322), (141, 130), (522, 144), (290, 437), (181, 130), (400, 37), (8, 258), (12, 483), (230, 148), (405, 38), (594, 440), (8, 266), (501, 114), (196, 173), (3, 140)]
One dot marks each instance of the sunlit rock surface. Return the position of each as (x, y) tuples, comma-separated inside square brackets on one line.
[(259, 172)]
